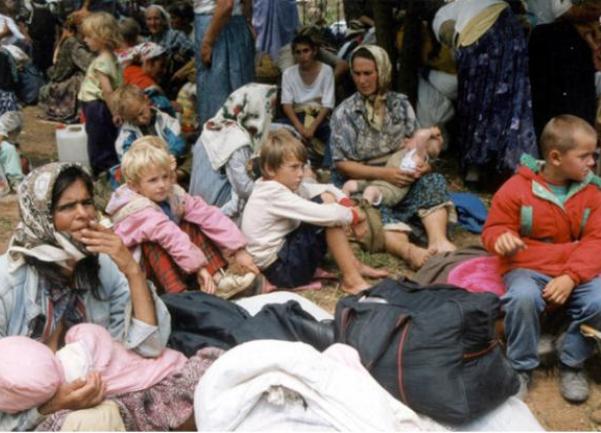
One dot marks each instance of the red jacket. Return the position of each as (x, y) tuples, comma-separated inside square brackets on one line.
[(559, 239)]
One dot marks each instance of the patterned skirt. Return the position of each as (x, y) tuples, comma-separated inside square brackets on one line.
[(8, 102), (426, 192), (166, 275), (494, 105), (162, 407), (58, 100)]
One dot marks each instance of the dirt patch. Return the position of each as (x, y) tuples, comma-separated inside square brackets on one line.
[(38, 143)]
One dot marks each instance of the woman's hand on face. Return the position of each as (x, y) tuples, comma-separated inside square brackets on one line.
[(398, 177), (99, 239), (79, 394)]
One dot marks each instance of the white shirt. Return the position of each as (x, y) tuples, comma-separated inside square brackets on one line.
[(13, 27), (296, 91), (273, 211), (547, 11), (207, 7)]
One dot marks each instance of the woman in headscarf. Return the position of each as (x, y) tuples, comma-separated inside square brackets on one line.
[(227, 142), (58, 98), (366, 129), (62, 268), (179, 48), (494, 106)]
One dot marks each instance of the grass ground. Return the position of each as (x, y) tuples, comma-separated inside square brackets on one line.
[(38, 143)]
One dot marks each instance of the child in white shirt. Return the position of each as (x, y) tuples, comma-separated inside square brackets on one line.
[(290, 225)]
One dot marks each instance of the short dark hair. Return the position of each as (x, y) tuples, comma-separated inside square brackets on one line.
[(182, 10), (558, 133), (303, 39)]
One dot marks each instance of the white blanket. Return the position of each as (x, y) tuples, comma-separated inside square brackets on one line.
[(276, 385)]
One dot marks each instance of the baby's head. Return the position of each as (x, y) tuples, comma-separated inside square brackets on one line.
[(132, 105), (568, 145), (30, 374), (11, 124), (148, 168), (427, 139), (283, 158)]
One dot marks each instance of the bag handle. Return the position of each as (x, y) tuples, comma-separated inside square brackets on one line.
[(370, 357), (402, 321)]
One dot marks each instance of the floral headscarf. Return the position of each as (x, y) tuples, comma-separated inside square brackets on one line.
[(35, 235), (144, 51), (375, 102), (243, 120)]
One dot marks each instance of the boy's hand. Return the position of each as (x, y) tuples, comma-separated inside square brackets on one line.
[(205, 281), (558, 290), (245, 261), (508, 244)]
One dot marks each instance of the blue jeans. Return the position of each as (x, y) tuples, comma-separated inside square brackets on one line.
[(523, 303)]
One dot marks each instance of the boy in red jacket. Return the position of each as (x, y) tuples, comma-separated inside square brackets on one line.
[(545, 224)]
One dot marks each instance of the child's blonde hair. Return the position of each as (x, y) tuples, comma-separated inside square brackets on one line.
[(146, 152), (124, 98), (280, 144), (104, 27), (558, 133)]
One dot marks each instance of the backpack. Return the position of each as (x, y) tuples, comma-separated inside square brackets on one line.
[(433, 348)]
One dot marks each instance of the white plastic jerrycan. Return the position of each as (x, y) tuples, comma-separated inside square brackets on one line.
[(72, 144)]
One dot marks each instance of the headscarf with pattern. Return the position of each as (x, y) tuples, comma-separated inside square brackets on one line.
[(243, 120), (375, 103), (35, 235)]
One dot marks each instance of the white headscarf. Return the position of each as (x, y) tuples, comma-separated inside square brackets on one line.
[(243, 120), (11, 121)]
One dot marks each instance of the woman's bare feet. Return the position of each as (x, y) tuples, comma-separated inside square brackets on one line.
[(443, 246), (416, 256), (369, 272)]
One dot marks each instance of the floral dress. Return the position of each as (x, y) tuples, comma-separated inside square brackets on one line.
[(354, 139)]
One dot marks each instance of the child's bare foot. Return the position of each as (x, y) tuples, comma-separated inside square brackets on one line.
[(350, 186), (369, 272), (372, 195), (416, 257), (444, 246), (353, 286), (322, 274)]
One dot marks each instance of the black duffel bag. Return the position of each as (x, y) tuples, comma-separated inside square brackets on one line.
[(434, 348)]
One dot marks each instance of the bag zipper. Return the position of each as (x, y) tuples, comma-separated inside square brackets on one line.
[(400, 363)]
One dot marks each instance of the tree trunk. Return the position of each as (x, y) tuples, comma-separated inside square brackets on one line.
[(385, 35)]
